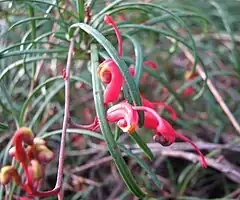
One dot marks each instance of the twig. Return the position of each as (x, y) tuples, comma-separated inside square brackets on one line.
[(229, 170), (212, 88), (66, 115), (58, 185)]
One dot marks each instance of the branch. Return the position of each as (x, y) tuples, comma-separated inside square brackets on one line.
[(212, 88)]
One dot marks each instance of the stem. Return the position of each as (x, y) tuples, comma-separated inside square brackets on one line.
[(58, 185), (33, 25), (169, 108), (80, 10), (66, 116)]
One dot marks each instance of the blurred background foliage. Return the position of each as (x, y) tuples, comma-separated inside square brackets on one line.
[(33, 52)]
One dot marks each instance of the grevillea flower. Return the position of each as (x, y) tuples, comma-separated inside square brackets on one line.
[(8, 173), (150, 63), (33, 155), (124, 115), (164, 132), (189, 76), (22, 135), (110, 74), (108, 70)]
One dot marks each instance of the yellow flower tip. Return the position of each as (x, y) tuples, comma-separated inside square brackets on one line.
[(38, 140), (130, 128), (187, 75), (7, 173), (104, 72), (26, 131), (44, 153), (26, 134)]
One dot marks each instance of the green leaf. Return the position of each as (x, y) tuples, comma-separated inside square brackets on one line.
[(142, 144), (106, 131), (37, 89), (139, 58), (75, 131), (3, 126), (30, 19), (143, 165)]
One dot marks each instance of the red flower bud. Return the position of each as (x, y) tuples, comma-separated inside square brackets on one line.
[(35, 170)]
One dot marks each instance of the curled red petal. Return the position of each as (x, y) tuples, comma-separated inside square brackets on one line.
[(114, 86), (124, 115)]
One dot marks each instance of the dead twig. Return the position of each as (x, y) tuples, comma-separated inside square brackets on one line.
[(212, 88)]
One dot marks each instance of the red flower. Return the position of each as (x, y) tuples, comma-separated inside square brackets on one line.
[(189, 76), (108, 70), (110, 74), (124, 115), (164, 132)]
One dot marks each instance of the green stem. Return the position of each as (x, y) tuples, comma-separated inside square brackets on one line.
[(80, 10)]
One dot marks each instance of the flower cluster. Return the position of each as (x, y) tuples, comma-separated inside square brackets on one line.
[(125, 114), (33, 155)]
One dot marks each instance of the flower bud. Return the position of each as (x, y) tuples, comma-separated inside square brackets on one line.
[(35, 170), (44, 154), (7, 173), (38, 140)]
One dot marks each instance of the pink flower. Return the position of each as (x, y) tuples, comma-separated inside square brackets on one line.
[(124, 115), (164, 132), (110, 74)]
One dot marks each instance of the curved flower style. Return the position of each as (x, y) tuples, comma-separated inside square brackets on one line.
[(110, 21), (124, 115), (152, 104), (22, 135)]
